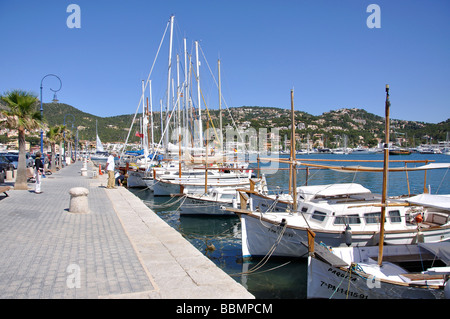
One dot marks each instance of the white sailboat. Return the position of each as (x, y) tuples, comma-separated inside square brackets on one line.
[(165, 177), (100, 156)]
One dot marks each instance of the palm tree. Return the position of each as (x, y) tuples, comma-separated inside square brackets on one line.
[(52, 137), (22, 116), (61, 138)]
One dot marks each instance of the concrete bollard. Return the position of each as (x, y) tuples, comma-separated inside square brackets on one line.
[(79, 200), (84, 168), (9, 176)]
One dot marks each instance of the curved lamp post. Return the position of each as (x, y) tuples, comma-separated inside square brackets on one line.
[(55, 99)]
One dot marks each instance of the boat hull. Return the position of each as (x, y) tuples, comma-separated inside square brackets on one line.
[(193, 206), (325, 281), (167, 188), (135, 179), (260, 235)]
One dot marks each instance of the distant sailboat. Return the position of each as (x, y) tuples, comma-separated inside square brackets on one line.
[(100, 154), (99, 146)]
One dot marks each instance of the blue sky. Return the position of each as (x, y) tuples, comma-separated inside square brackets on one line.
[(322, 49)]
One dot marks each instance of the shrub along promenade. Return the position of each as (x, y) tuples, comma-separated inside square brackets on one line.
[(119, 249)]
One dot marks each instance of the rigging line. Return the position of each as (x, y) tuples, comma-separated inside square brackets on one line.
[(148, 78), (162, 135), (217, 85), (442, 180), (206, 107)]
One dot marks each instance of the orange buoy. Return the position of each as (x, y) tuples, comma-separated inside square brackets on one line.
[(100, 170), (419, 218)]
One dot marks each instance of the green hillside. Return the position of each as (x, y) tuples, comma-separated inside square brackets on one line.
[(360, 127)]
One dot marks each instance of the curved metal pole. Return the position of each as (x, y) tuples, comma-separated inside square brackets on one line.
[(42, 110)]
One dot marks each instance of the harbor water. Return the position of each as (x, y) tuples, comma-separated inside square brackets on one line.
[(219, 238)]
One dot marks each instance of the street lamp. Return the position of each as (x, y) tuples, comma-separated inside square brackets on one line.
[(55, 100)]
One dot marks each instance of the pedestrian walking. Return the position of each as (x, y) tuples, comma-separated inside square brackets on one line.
[(38, 172), (110, 165)]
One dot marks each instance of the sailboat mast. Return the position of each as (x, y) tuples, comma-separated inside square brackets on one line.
[(144, 124), (161, 117), (178, 95), (186, 101), (168, 81), (220, 110), (151, 115), (198, 97), (385, 177), (294, 166)]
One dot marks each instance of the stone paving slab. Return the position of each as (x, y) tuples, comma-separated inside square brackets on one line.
[(120, 249)]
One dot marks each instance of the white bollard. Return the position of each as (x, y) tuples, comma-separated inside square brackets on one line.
[(9, 176), (79, 200), (84, 168)]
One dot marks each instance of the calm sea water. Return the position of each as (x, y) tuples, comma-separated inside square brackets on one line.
[(286, 278)]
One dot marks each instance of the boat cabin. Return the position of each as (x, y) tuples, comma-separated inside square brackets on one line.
[(334, 207)]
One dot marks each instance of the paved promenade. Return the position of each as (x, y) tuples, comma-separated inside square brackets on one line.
[(120, 249)]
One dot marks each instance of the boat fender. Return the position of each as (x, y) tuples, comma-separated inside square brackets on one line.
[(348, 235), (447, 288), (420, 236), (283, 223)]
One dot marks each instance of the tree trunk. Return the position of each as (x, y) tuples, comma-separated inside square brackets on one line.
[(53, 162), (61, 155), (21, 178)]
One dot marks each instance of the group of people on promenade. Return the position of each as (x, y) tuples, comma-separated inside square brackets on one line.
[(112, 175), (110, 168)]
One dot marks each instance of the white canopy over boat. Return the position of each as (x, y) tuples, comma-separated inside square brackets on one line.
[(429, 200), (441, 250), (311, 192)]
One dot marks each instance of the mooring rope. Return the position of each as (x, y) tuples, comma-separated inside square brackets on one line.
[(266, 258), (165, 204)]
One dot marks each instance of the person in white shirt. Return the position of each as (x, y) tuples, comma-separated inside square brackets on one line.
[(110, 168)]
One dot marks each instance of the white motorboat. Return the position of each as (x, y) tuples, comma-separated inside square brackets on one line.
[(216, 199), (210, 203), (193, 181), (341, 219)]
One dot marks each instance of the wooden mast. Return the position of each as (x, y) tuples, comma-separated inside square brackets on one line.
[(385, 177)]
